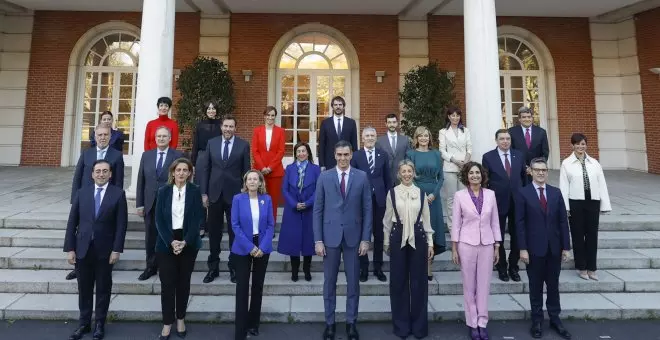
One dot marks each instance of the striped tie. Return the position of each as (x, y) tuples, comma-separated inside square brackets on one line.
[(370, 159)]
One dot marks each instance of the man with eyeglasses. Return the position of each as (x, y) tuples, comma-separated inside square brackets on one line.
[(544, 242), (82, 176)]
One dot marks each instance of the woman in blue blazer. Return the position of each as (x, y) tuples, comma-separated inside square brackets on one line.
[(116, 136), (298, 189), (179, 213), (254, 227)]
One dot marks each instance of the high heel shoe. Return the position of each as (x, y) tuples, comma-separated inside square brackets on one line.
[(181, 334)]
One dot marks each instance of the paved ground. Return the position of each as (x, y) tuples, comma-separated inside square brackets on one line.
[(582, 330)]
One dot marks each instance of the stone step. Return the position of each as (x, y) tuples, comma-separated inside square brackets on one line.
[(279, 283), (54, 238), (57, 220), (134, 259), (287, 309)]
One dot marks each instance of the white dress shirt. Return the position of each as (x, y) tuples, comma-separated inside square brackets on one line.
[(178, 206), (508, 155), (571, 182), (335, 119), (389, 139), (269, 137), (407, 201), (105, 187), (231, 145), (524, 130), (98, 153), (158, 155), (538, 193), (254, 209), (339, 172)]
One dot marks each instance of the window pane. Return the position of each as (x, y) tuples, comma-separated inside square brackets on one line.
[(322, 109), (500, 44), (307, 47), (302, 136), (303, 123), (532, 82), (287, 94), (509, 63), (517, 95), (113, 40), (303, 82), (126, 92), (89, 119), (125, 106), (531, 63), (287, 108), (289, 136), (287, 81), (524, 52), (287, 122), (294, 50), (501, 82), (124, 121), (126, 79), (333, 51), (516, 82), (287, 62), (106, 92), (512, 45), (340, 63), (313, 62), (338, 82), (322, 82), (107, 78), (105, 105), (92, 59), (303, 95), (532, 95), (303, 109), (118, 59), (89, 105), (100, 47)]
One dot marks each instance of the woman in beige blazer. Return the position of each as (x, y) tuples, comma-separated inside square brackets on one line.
[(456, 148)]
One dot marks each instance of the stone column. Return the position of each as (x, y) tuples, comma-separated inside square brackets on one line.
[(154, 72), (482, 84)]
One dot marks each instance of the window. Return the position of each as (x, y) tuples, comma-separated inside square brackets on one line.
[(520, 72)]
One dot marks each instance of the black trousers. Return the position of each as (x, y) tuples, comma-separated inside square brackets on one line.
[(542, 270), (93, 271), (295, 264), (514, 253), (219, 212), (150, 235), (584, 220), (249, 318), (175, 272), (409, 289), (377, 231)]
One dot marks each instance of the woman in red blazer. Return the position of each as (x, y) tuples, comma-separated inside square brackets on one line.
[(268, 151)]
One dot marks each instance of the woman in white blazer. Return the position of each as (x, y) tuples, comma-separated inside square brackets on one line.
[(582, 184), (456, 148)]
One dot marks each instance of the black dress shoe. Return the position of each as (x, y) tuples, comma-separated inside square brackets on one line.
[(308, 276), (80, 332), (99, 331), (380, 275), (559, 328), (72, 275), (536, 330), (210, 276), (503, 276), (514, 275), (253, 331), (329, 332), (294, 277), (351, 332), (364, 276), (146, 274), (232, 275)]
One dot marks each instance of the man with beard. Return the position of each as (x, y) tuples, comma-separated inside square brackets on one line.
[(394, 144), (333, 129)]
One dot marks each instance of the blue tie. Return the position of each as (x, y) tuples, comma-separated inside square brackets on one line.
[(225, 151), (159, 166), (97, 201)]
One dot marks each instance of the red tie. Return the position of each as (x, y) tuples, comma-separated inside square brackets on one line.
[(528, 139), (507, 165), (342, 185), (544, 203)]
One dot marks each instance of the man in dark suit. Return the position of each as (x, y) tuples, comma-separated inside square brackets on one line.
[(152, 175), (94, 238), (543, 238), (221, 177), (506, 174), (529, 139), (342, 219), (375, 163), (394, 144), (333, 129), (83, 175)]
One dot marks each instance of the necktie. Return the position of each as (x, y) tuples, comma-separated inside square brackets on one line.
[(225, 151), (342, 185), (393, 138), (97, 201), (507, 165), (100, 154), (544, 203), (371, 161), (528, 138), (159, 166), (339, 127), (585, 175)]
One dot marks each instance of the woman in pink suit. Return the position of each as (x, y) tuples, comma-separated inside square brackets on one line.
[(268, 151), (475, 240)]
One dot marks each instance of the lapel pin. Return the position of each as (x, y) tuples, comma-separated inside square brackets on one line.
[(262, 202)]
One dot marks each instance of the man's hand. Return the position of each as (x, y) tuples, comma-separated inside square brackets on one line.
[(320, 249), (259, 253), (205, 201), (140, 212), (300, 206), (364, 248), (524, 256), (528, 170), (430, 198), (114, 257), (565, 255), (71, 257)]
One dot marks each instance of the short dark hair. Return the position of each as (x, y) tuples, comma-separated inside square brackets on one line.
[(270, 108), (577, 138), (339, 98), (343, 144), (538, 160), (497, 133), (229, 117), (310, 157), (391, 115), (101, 161), (525, 109), (463, 175), (106, 113), (164, 100)]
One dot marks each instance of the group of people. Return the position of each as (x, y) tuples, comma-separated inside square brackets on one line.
[(387, 195)]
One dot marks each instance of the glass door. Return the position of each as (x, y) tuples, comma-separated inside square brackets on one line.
[(519, 89)]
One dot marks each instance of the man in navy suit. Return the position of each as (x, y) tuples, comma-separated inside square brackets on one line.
[(152, 175), (333, 129), (506, 174), (342, 220), (221, 177), (375, 163), (529, 139), (83, 175), (94, 238), (544, 242)]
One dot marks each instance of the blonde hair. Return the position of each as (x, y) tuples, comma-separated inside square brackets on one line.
[(420, 130), (262, 182), (406, 162), (186, 161)]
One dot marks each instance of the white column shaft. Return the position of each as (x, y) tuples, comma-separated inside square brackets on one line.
[(482, 79), (154, 72)]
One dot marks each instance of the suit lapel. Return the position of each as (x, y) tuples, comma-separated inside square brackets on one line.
[(468, 199), (500, 165), (535, 135), (246, 200), (351, 173)]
